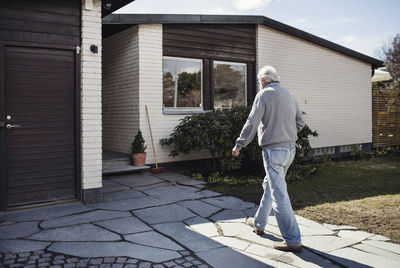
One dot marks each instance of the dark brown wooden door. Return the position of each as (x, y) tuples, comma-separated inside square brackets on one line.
[(40, 125)]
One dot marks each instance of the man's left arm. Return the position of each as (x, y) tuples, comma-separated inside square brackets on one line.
[(249, 129)]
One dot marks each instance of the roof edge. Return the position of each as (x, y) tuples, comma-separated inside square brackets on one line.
[(115, 5), (236, 19)]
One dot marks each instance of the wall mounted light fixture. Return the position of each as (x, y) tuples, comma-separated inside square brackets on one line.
[(107, 4), (94, 49)]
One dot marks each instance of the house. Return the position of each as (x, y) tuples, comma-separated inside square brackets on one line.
[(50, 100), (178, 65), (69, 91)]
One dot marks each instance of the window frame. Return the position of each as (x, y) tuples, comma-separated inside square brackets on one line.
[(245, 80), (185, 110)]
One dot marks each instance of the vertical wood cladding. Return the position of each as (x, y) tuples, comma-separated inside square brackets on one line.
[(54, 22), (38, 59), (221, 42), (385, 117), (228, 42), (40, 97)]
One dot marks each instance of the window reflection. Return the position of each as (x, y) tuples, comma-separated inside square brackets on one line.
[(229, 84), (182, 82)]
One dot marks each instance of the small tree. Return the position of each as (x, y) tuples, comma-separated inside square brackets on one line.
[(390, 54), (138, 143)]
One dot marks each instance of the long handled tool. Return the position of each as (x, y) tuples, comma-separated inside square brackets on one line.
[(156, 169)]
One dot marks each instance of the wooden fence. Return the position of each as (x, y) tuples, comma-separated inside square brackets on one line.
[(386, 117)]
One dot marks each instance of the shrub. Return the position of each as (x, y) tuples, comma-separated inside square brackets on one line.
[(298, 170), (197, 176), (356, 152), (217, 131), (303, 147)]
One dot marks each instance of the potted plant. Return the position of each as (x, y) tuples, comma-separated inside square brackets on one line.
[(138, 150)]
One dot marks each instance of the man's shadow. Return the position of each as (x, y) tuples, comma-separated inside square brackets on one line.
[(308, 255)]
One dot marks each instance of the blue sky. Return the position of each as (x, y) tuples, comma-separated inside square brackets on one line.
[(361, 25)]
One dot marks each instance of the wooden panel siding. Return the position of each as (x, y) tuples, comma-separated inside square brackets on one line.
[(340, 114), (54, 22), (36, 172), (40, 158), (386, 117), (220, 42), (229, 42)]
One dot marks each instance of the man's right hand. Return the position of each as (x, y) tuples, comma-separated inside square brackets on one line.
[(235, 152)]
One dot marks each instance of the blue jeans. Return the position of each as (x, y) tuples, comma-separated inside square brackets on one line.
[(275, 197)]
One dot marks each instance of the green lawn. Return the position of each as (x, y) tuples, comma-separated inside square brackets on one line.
[(365, 194)]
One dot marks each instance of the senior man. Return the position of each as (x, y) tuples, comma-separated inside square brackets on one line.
[(277, 116)]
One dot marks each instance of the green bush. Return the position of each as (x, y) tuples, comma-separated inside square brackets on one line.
[(356, 153), (198, 176), (303, 147), (217, 131)]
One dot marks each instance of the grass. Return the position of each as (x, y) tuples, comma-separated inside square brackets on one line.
[(378, 214), (364, 194)]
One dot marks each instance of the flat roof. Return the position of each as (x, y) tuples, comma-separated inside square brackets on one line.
[(115, 4), (117, 22)]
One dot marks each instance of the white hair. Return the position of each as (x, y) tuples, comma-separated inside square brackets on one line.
[(269, 74)]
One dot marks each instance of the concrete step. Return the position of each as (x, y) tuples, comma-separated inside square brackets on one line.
[(123, 161), (122, 169)]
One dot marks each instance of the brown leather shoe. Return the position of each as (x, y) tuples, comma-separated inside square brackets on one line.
[(250, 221), (285, 247)]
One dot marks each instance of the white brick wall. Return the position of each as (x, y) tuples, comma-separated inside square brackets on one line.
[(333, 89), (150, 94), (91, 165), (120, 90), (132, 78)]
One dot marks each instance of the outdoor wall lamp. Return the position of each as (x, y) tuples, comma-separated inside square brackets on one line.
[(107, 4), (94, 49)]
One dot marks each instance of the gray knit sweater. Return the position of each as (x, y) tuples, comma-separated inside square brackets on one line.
[(277, 116)]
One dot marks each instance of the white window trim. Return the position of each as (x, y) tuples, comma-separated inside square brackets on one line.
[(189, 110), (245, 77)]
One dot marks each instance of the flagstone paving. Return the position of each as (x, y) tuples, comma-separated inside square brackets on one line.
[(18, 230), (170, 220), (81, 232), (128, 225), (148, 238)]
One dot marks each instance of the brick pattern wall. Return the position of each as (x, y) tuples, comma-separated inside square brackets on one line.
[(150, 94), (120, 90), (91, 162), (333, 89)]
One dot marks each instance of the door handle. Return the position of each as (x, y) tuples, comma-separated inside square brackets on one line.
[(9, 126), (1, 124)]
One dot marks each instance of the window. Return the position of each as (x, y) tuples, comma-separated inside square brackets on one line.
[(182, 83), (324, 150), (230, 84)]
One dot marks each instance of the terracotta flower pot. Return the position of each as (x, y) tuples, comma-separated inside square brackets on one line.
[(139, 159)]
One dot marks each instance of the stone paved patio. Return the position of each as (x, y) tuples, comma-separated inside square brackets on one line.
[(169, 220)]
